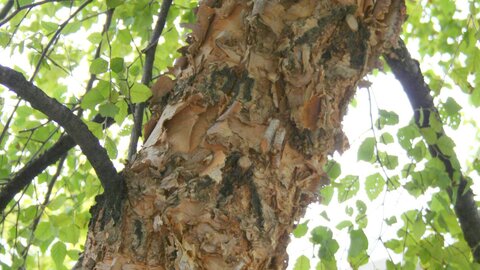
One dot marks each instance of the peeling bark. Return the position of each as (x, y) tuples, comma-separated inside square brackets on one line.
[(235, 153)]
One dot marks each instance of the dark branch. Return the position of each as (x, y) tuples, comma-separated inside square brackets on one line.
[(6, 8), (96, 154), (25, 176), (407, 71), (147, 76), (106, 26)]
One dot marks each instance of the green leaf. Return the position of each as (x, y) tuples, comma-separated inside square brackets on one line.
[(328, 246), (358, 243), (4, 39), (451, 107), (374, 185), (111, 148), (69, 234), (349, 210), (108, 109), (333, 169), (117, 64), (301, 229), (386, 138), (95, 128), (326, 194), (321, 234), (91, 99), (344, 224), (325, 215), (44, 231), (58, 252), (23, 2), (49, 26), (348, 187), (361, 207), (98, 66), (386, 118), (114, 3), (446, 145), (429, 135), (57, 202), (122, 113), (434, 122), (418, 152), (388, 161), (95, 38), (365, 151), (394, 245), (139, 93), (72, 27), (74, 254), (302, 263), (406, 134), (391, 220), (28, 214)]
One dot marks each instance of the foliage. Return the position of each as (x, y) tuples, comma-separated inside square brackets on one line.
[(56, 241), (46, 224), (447, 34)]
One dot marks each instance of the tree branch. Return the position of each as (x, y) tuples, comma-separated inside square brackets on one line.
[(93, 77), (407, 71), (96, 154), (9, 5), (25, 176), (147, 76), (6, 8)]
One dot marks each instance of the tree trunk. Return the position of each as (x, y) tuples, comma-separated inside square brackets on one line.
[(236, 153)]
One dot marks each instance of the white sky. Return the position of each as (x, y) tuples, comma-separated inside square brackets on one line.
[(388, 94)]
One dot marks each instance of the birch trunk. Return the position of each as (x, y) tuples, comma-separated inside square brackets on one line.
[(236, 151)]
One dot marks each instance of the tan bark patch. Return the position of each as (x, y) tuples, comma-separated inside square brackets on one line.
[(238, 151)]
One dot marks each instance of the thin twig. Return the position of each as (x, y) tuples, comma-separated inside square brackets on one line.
[(147, 76), (93, 77), (7, 125), (29, 6), (43, 206), (55, 38)]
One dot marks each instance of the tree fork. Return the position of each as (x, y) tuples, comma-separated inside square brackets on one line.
[(112, 182), (237, 151)]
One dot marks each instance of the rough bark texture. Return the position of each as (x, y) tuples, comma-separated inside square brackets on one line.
[(236, 152)]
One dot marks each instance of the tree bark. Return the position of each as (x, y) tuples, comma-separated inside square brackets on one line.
[(236, 152)]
